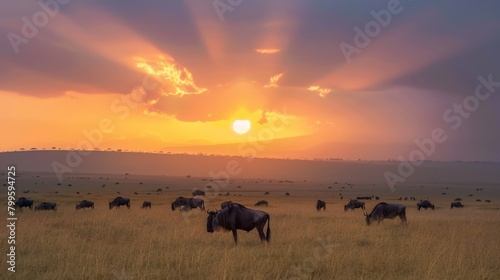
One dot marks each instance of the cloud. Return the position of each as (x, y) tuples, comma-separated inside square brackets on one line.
[(322, 92), (267, 51), (273, 81), (173, 79)]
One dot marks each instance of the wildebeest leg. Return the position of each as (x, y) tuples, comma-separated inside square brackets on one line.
[(260, 229), (235, 235)]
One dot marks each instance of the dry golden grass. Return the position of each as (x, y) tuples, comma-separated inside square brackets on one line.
[(160, 244)]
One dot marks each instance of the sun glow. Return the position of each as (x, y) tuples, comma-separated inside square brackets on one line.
[(241, 126)]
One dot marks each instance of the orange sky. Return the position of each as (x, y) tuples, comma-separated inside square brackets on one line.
[(174, 77)]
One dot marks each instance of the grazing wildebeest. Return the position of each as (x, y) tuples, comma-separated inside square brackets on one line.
[(46, 206), (236, 216), (159, 190), (261, 202), (225, 204), (179, 202), (353, 204), (146, 204), (85, 204), (487, 201), (266, 193), (458, 199), (24, 202), (386, 211), (287, 194), (198, 192), (456, 204), (320, 204), (478, 200), (425, 204), (377, 198), (119, 201), (193, 203)]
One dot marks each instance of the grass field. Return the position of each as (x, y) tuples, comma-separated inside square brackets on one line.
[(161, 244)]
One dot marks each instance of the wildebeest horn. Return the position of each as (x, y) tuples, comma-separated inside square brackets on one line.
[(366, 214)]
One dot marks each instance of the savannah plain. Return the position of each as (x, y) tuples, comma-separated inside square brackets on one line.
[(159, 243)]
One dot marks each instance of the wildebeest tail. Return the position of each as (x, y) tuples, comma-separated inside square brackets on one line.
[(268, 237)]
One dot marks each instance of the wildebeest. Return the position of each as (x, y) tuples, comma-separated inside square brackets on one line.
[(458, 199), (287, 194), (266, 193), (261, 202), (119, 201), (46, 206), (320, 204), (487, 201), (384, 210), (364, 197), (179, 202), (85, 204), (198, 192), (24, 202), (193, 203), (236, 216), (225, 204), (377, 198), (425, 204), (146, 204), (456, 204), (353, 204), (478, 200)]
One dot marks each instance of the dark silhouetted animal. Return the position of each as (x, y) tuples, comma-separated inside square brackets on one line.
[(287, 194), (225, 204), (266, 193), (24, 202), (146, 204), (386, 211), (478, 200), (320, 204), (456, 204), (46, 206), (425, 204), (179, 202), (236, 216), (353, 204), (199, 193), (119, 201), (261, 202), (458, 199), (364, 197), (377, 198), (487, 201), (193, 203), (85, 204)]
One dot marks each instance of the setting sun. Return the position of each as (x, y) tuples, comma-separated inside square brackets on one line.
[(241, 126)]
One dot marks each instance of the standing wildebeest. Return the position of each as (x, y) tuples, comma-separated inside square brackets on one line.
[(85, 204), (425, 204), (24, 202), (320, 204), (146, 204), (456, 204), (353, 204), (236, 216), (386, 211), (119, 201), (46, 206), (261, 202), (179, 202), (198, 192), (225, 204), (193, 203)]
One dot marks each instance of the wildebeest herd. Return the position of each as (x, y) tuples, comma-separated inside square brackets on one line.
[(234, 216)]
